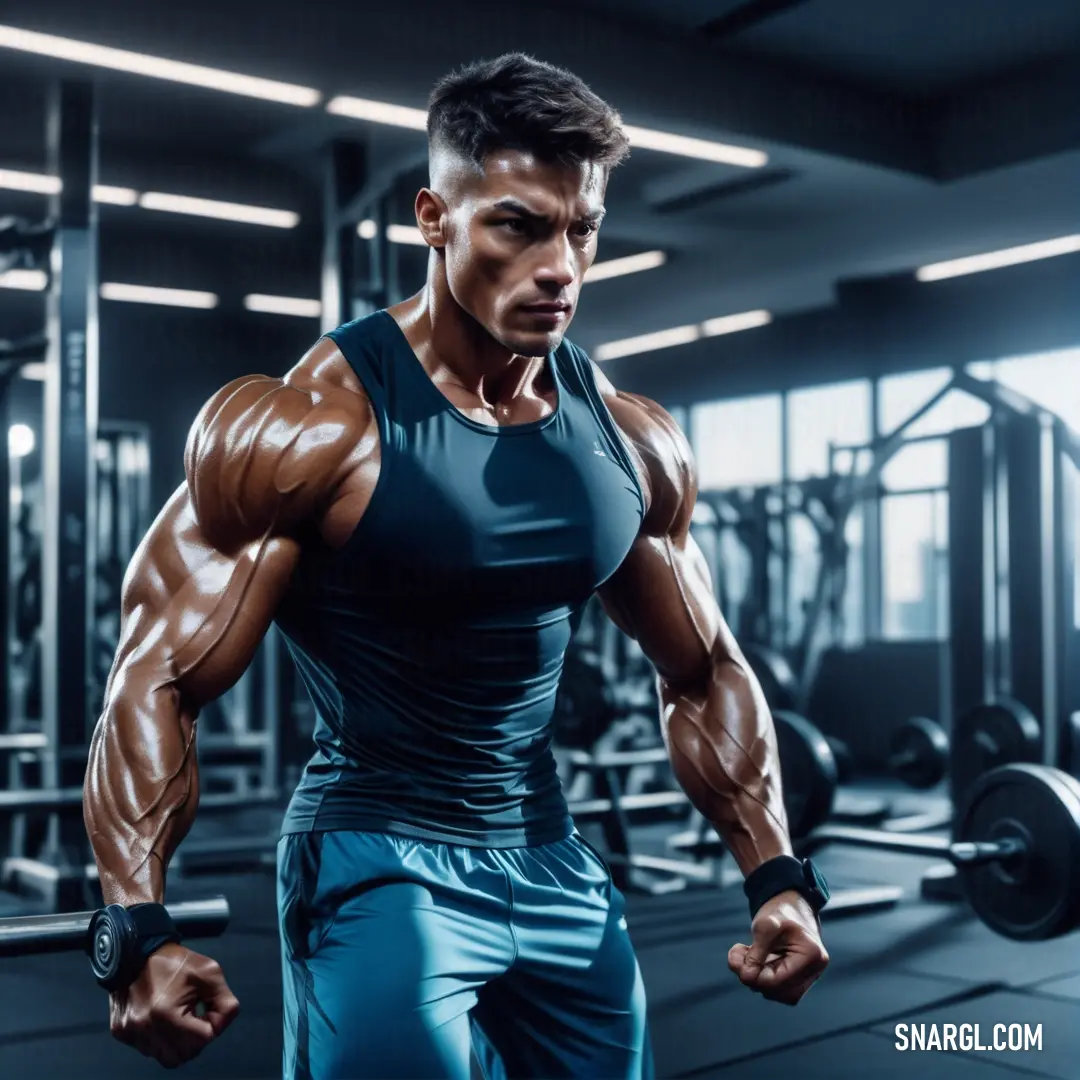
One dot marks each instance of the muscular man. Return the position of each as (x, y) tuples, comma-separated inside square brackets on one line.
[(424, 505)]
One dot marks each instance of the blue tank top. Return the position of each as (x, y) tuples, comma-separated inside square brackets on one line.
[(431, 644)]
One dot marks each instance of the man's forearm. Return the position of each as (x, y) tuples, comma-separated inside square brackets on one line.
[(723, 752), (141, 788)]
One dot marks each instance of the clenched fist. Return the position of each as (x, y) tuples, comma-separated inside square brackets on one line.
[(178, 1005), (787, 956)]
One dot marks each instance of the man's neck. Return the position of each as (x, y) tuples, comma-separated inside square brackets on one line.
[(454, 348)]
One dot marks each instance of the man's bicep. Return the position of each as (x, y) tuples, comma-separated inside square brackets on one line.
[(193, 615), (662, 596)]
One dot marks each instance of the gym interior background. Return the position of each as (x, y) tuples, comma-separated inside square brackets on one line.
[(845, 254)]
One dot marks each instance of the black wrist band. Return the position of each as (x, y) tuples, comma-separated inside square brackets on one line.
[(120, 940), (784, 873)]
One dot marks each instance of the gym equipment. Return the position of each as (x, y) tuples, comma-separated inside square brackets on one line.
[(31, 935), (988, 736), (807, 772), (1016, 848), (585, 702), (25, 350), (591, 699), (23, 244), (918, 754), (775, 676)]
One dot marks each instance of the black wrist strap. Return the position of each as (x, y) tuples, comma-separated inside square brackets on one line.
[(781, 874), (154, 927), (152, 920)]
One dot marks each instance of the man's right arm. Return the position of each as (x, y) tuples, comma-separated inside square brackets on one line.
[(263, 457)]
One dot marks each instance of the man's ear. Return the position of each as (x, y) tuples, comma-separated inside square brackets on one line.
[(431, 216)]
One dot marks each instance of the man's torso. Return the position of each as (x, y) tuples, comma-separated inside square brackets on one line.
[(431, 638)]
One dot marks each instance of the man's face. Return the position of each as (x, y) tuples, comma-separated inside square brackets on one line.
[(521, 234)]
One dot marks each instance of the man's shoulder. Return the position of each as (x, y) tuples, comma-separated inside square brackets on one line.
[(264, 451)]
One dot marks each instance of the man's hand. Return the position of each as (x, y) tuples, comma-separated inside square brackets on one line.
[(178, 1005), (787, 956)]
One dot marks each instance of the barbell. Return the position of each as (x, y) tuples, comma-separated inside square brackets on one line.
[(1015, 846), (30, 935), (918, 754)]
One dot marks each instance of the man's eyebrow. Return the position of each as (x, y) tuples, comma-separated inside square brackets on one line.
[(517, 208), (514, 206)]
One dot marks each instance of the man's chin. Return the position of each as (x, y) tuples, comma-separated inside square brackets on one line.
[(539, 343)]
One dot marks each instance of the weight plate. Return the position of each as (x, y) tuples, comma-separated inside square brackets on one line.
[(773, 672), (807, 772), (845, 761), (1036, 895), (584, 704), (919, 753), (987, 737)]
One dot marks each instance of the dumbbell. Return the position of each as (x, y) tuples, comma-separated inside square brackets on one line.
[(1015, 847), (918, 754)]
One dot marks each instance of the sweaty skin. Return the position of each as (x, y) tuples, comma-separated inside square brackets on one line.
[(268, 458)]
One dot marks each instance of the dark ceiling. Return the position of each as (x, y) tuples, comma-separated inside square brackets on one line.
[(898, 133)]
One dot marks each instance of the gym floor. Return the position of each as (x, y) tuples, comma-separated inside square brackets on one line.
[(919, 963)]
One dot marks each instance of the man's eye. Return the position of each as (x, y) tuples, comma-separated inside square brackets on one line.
[(515, 225)]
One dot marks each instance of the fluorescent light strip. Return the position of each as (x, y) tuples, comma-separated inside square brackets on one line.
[(680, 335), (379, 112), (405, 234), (631, 264), (156, 200), (224, 211), (28, 280), (994, 260), (283, 305), (156, 67), (396, 234), (146, 294), (115, 196), (732, 324), (35, 372), (704, 149), (39, 184)]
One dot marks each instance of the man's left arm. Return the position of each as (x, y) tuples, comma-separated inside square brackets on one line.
[(716, 724)]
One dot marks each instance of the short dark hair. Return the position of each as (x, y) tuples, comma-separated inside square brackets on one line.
[(518, 103)]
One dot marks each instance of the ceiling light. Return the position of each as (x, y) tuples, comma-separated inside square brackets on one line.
[(283, 305), (146, 294), (631, 264), (155, 67), (382, 112), (993, 260), (659, 339), (367, 229), (29, 280), (35, 372), (705, 149), (21, 440), (730, 324), (225, 211), (680, 335), (115, 196), (405, 234), (24, 181), (379, 112)]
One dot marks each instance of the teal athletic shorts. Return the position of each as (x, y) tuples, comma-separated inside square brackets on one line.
[(411, 958)]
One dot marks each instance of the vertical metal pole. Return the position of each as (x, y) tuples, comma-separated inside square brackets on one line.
[(1050, 589), (346, 170), (6, 474), (873, 583), (70, 433)]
